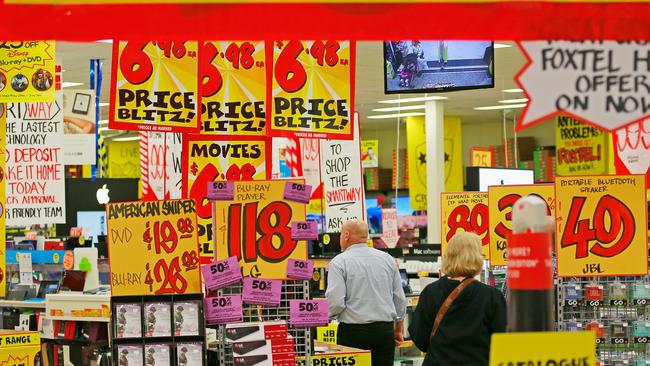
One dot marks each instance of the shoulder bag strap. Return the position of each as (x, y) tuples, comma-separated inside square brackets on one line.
[(447, 304)]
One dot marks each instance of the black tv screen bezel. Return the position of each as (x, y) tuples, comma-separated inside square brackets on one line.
[(435, 90)]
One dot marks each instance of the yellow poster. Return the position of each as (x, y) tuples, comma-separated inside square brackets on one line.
[(234, 88), (312, 89), (3, 197), (481, 156), (580, 149), (153, 248), (501, 199), (543, 348), (155, 86), (19, 348), (123, 159), (255, 226), (106, 2), (338, 358), (601, 226), (370, 153), (465, 212), (206, 159), (453, 155), (27, 71)]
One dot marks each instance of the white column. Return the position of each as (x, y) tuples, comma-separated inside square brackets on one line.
[(435, 140)]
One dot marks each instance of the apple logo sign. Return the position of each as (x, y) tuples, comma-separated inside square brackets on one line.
[(102, 195)]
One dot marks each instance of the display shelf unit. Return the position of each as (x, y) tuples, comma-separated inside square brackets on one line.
[(22, 304), (74, 306)]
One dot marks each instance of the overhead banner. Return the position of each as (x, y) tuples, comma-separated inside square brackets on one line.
[(632, 149), (35, 186), (543, 348), (161, 165), (233, 88), (603, 83), (417, 162), (370, 153), (153, 248), (3, 195), (265, 247), (342, 181), (580, 149), (501, 199), (465, 212), (27, 71), (312, 94), (155, 86), (601, 226), (79, 127), (208, 159)]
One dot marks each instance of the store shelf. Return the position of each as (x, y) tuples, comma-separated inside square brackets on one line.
[(78, 307), (80, 319), (22, 304)]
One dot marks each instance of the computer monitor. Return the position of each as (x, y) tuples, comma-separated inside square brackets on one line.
[(93, 224)]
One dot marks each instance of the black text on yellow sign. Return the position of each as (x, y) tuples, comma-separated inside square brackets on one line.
[(543, 349)]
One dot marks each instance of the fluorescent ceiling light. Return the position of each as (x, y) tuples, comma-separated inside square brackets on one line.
[(396, 115), (105, 41), (70, 84), (516, 90), (130, 138), (103, 122), (402, 108), (495, 107), (520, 100), (408, 100), (501, 45), (104, 104)]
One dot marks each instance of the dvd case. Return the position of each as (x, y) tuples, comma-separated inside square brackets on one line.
[(157, 354), (157, 319), (186, 318), (189, 354), (130, 355), (128, 321)]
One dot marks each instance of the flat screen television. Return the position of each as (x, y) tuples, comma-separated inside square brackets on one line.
[(480, 178), (437, 66)]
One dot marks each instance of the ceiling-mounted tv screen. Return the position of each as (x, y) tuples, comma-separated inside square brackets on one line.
[(437, 66)]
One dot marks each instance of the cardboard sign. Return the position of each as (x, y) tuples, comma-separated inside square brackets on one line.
[(465, 212), (312, 95), (308, 313), (208, 159), (19, 348), (220, 191), (262, 291), (300, 269), (501, 199), (417, 163), (3, 227), (161, 165), (223, 309), (480, 156), (153, 248), (389, 229), (155, 86), (297, 192), (632, 150), (307, 230), (543, 348), (339, 358), (35, 185), (580, 149), (264, 248), (220, 274), (233, 88), (592, 81), (27, 71), (370, 153), (601, 227)]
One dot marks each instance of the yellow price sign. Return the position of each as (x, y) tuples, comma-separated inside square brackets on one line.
[(501, 199), (27, 71), (338, 358), (465, 212), (543, 348), (482, 156), (327, 334), (601, 226), (19, 348)]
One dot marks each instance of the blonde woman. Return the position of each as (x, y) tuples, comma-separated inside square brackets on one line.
[(457, 315)]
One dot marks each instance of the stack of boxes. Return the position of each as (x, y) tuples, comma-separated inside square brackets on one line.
[(400, 178), (261, 344), (544, 158)]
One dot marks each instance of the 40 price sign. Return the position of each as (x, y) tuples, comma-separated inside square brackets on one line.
[(154, 248), (601, 226), (312, 91), (501, 199), (465, 212)]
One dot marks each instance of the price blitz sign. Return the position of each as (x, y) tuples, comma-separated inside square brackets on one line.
[(465, 212), (601, 226), (153, 248)]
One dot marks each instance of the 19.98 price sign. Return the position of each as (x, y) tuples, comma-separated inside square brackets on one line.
[(465, 212), (601, 226)]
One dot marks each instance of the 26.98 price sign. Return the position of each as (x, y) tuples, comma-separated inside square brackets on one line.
[(312, 91), (153, 248), (465, 212), (601, 226), (155, 86)]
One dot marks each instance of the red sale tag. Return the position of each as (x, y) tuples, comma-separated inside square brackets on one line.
[(223, 309), (308, 313), (307, 230), (262, 291), (300, 269), (220, 191), (297, 192)]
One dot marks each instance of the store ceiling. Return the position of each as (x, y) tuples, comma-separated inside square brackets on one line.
[(369, 81)]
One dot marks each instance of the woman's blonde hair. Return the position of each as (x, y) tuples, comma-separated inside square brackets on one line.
[(463, 257)]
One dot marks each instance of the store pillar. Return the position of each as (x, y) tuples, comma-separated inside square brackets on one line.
[(435, 142)]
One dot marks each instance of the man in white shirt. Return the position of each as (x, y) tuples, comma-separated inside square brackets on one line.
[(365, 295)]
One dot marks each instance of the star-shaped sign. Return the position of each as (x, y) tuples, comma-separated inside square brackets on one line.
[(422, 158), (446, 157)]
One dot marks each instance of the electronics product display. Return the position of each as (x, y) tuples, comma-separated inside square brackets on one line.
[(129, 320), (157, 355)]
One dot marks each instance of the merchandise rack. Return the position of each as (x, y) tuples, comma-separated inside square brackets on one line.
[(291, 290)]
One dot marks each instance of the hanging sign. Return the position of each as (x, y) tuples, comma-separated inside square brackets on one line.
[(501, 199), (417, 163), (601, 226), (153, 248), (79, 127), (264, 248), (603, 83), (3, 227), (261, 291), (220, 274), (543, 348), (465, 212), (155, 86), (580, 149), (233, 88), (161, 165), (300, 269), (223, 309), (632, 149), (481, 156), (35, 185), (208, 159), (369, 153), (313, 89), (27, 71), (308, 313), (389, 227)]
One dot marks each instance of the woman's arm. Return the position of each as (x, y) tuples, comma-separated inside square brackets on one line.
[(422, 320)]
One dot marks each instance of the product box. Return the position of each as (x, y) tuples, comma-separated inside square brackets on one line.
[(276, 359), (157, 354), (264, 347), (186, 318), (128, 321), (157, 319), (131, 355), (189, 354), (593, 292), (245, 332)]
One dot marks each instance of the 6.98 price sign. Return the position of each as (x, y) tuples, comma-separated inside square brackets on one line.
[(601, 226), (155, 86), (153, 248), (312, 90), (465, 212)]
